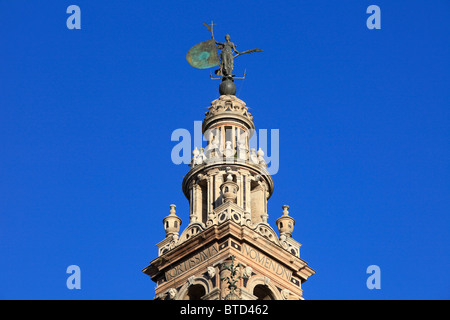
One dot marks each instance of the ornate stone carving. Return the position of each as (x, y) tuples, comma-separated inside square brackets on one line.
[(267, 232), (232, 212), (172, 292), (191, 231), (228, 104), (229, 189), (229, 211), (285, 294), (247, 272), (168, 246), (253, 157), (172, 222), (260, 158), (211, 272), (228, 183)]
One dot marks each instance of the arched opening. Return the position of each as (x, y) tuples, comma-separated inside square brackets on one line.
[(195, 292), (262, 292), (257, 201), (202, 200)]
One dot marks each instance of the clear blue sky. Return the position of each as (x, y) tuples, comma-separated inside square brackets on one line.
[(86, 118)]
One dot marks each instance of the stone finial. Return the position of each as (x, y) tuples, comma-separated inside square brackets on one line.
[(229, 189), (260, 157), (202, 155), (242, 152), (260, 153), (285, 223), (285, 210), (172, 222), (229, 152), (196, 158), (253, 156)]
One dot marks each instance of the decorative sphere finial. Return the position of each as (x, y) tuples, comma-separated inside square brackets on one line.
[(227, 87)]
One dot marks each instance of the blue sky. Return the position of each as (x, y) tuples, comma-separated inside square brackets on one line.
[(86, 118)]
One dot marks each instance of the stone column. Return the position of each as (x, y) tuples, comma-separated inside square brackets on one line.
[(196, 215), (223, 273)]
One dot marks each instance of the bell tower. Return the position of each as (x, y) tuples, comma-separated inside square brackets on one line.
[(227, 251), (228, 187)]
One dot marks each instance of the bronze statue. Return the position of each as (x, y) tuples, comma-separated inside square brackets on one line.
[(226, 57), (204, 55)]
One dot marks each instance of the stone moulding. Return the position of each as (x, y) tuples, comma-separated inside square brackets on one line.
[(228, 104), (192, 174), (230, 212), (227, 108)]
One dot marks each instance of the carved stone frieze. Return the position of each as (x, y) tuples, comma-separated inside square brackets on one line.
[(228, 104)]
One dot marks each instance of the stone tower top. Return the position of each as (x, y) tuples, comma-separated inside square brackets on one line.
[(228, 188)]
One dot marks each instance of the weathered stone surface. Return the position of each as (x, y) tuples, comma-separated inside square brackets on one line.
[(228, 187)]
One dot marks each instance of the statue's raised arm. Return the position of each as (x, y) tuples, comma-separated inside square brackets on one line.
[(247, 51)]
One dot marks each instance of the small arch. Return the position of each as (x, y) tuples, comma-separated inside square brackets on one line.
[(262, 292), (195, 289), (195, 292)]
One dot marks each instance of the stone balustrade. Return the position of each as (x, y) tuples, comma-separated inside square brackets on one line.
[(217, 154)]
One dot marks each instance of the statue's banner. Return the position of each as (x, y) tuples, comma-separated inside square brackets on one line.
[(203, 55)]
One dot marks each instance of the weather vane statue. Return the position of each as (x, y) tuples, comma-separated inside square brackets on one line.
[(205, 55)]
